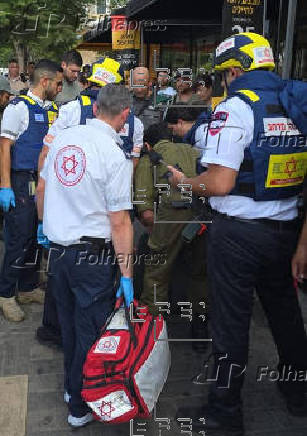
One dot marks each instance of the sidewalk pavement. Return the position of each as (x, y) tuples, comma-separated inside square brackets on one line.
[(21, 354)]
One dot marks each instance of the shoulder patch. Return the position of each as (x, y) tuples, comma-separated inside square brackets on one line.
[(218, 121)]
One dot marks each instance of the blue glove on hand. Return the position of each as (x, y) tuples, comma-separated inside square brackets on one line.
[(7, 198), (126, 289), (41, 237)]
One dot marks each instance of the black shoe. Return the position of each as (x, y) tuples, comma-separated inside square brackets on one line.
[(204, 420), (200, 331), (48, 336), (296, 401)]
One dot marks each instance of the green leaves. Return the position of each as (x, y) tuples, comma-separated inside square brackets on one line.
[(44, 28)]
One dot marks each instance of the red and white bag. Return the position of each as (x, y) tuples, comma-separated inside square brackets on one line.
[(126, 369)]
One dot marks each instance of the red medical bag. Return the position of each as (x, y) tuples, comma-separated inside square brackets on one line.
[(127, 367)]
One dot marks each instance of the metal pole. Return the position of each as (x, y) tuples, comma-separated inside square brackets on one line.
[(277, 51), (142, 52), (287, 60), (265, 6)]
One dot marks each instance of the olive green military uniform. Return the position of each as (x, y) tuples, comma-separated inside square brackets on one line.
[(165, 241)]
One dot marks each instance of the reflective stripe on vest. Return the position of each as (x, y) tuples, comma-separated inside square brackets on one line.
[(86, 104)]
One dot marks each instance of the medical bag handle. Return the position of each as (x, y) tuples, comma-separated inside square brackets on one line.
[(118, 304)]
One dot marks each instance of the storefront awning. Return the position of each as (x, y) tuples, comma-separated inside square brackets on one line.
[(101, 31), (174, 9)]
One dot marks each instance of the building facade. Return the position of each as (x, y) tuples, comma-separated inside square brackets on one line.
[(179, 34)]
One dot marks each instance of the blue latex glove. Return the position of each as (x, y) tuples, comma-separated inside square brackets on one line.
[(126, 289), (7, 198), (41, 237)]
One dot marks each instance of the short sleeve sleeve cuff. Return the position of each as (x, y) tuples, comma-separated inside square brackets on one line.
[(44, 170), (120, 206), (13, 118), (118, 191)]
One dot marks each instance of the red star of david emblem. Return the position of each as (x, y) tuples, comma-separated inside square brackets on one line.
[(291, 167), (106, 409), (69, 165)]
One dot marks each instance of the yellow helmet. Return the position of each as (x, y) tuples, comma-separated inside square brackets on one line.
[(248, 51), (106, 71)]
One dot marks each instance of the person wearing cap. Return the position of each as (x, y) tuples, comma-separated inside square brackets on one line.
[(71, 64), (79, 112), (25, 122), (253, 179), (5, 95)]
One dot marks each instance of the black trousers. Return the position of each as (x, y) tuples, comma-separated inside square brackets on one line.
[(243, 257), (50, 316), (84, 292), (22, 254)]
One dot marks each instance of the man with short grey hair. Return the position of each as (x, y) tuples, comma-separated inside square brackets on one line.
[(88, 177), (112, 100)]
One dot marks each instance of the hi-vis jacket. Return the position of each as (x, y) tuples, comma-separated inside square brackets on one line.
[(275, 162)]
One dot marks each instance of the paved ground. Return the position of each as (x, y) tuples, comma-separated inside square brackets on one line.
[(20, 354), (265, 413)]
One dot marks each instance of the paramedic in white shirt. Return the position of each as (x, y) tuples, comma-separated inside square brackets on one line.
[(26, 120), (253, 179), (84, 198)]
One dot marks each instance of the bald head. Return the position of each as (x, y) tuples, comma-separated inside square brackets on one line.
[(140, 78)]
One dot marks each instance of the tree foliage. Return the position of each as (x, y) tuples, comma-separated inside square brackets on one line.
[(118, 3), (37, 28)]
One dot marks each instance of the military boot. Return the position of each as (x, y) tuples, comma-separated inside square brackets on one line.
[(11, 310), (35, 296)]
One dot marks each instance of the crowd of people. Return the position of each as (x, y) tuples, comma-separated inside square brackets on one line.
[(85, 158)]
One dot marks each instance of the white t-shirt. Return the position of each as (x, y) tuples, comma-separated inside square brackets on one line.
[(224, 144), (70, 115), (86, 177), (16, 117), (169, 91)]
